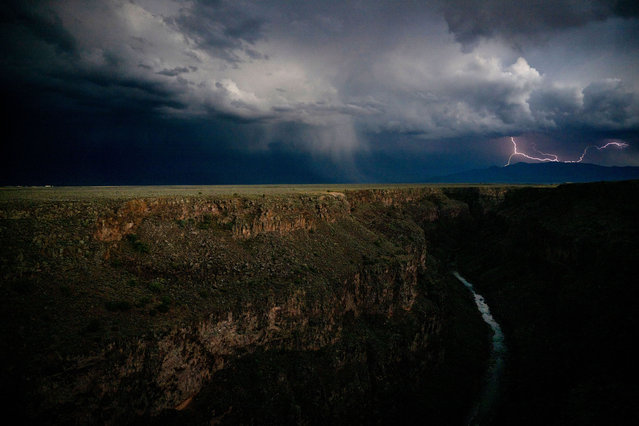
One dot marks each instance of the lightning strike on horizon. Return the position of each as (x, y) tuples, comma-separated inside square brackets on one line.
[(554, 158)]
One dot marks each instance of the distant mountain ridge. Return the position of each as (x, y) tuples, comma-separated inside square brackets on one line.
[(541, 173)]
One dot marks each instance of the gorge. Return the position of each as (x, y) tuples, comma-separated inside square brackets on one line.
[(316, 304)]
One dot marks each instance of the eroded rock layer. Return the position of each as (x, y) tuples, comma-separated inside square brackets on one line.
[(286, 308)]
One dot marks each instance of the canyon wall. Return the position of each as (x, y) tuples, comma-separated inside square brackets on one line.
[(319, 307), (286, 308)]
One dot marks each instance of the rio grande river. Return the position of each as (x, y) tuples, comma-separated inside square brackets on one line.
[(483, 409)]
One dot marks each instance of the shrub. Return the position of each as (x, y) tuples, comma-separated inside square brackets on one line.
[(136, 244), (157, 285)]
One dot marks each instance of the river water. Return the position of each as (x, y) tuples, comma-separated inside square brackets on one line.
[(483, 409)]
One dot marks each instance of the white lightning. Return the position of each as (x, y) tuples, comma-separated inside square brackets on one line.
[(554, 158)]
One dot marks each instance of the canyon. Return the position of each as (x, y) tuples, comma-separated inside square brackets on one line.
[(317, 305)]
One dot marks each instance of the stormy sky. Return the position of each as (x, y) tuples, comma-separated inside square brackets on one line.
[(282, 91)]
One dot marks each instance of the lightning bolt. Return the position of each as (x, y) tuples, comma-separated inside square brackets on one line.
[(554, 158)]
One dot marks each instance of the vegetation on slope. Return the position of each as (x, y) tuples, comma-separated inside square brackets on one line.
[(286, 307)]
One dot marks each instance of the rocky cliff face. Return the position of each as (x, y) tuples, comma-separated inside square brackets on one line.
[(331, 307), (159, 309), (245, 217), (176, 364)]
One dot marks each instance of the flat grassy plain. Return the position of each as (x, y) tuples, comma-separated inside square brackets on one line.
[(61, 193)]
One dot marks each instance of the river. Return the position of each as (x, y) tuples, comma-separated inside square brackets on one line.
[(483, 409)]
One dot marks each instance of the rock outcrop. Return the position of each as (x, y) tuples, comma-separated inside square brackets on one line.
[(168, 300)]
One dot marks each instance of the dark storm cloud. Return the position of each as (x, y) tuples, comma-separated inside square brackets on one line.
[(609, 104), (125, 149), (347, 82), (40, 21), (552, 106), (173, 72), (471, 20), (222, 28), (603, 105), (47, 67), (314, 76)]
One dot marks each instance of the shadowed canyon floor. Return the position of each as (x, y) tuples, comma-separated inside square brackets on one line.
[(308, 305)]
